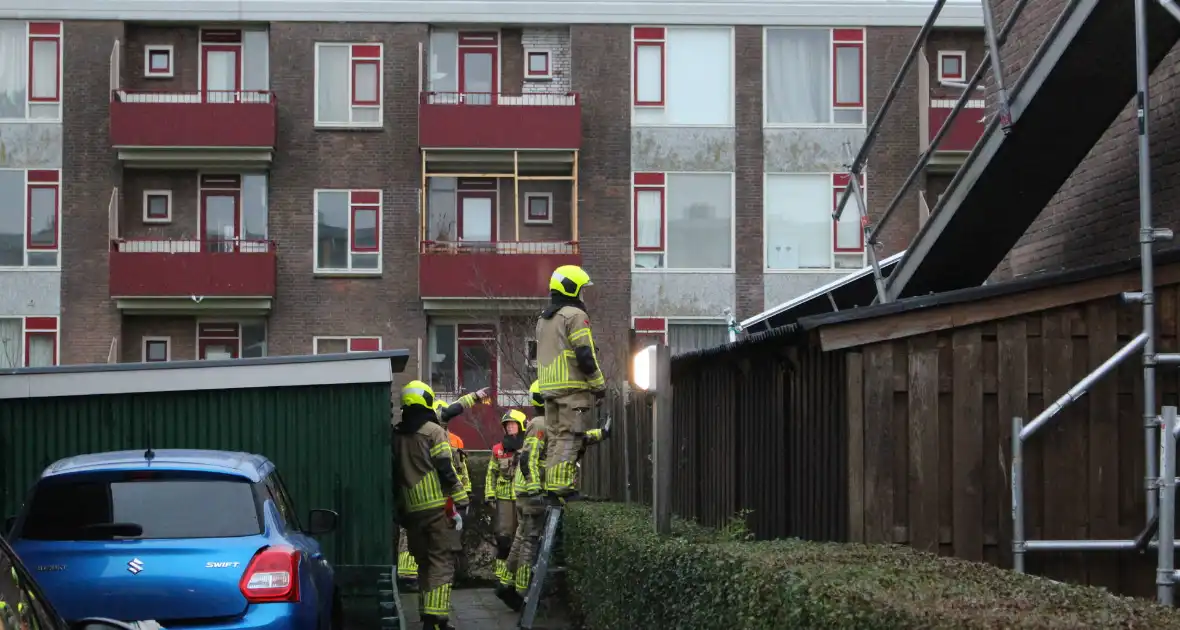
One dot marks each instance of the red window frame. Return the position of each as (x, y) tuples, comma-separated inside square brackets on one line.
[(44, 180), (364, 344), (650, 327), (649, 182), (365, 55), (41, 327), (147, 344), (952, 54), (364, 201), (45, 32), (528, 66), (528, 208), (147, 206), (839, 183), (853, 38), (653, 37), (155, 72)]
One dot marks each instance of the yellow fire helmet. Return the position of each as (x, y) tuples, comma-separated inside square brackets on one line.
[(569, 280), (514, 416), (417, 393)]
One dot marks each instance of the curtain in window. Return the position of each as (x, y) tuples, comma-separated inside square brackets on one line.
[(798, 221), (648, 219), (848, 229), (440, 210), (798, 66), (12, 352), (649, 68), (254, 215), (444, 62), (255, 62), (221, 75), (334, 97), (41, 350), (700, 219), (688, 337), (13, 69), (700, 80)]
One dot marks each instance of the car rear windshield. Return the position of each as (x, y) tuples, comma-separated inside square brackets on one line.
[(85, 509)]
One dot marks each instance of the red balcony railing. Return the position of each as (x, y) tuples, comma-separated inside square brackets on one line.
[(966, 129), (513, 269), (207, 118), (227, 268), (466, 120)]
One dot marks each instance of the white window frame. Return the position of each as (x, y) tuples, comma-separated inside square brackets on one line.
[(25, 217), (315, 342), (60, 37), (148, 73), (666, 189), (147, 194), (663, 103), (962, 57), (241, 322), (167, 348), (315, 234), (832, 253), (545, 76), (864, 79), (380, 107), (24, 336), (528, 197)]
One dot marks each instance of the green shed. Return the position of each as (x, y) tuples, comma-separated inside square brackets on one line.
[(323, 420)]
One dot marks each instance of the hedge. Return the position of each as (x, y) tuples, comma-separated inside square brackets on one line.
[(622, 575)]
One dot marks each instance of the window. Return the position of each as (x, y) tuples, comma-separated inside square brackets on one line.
[(683, 335), (157, 62), (683, 221), (348, 231), (231, 340), (30, 75), (28, 342), (157, 349), (538, 64), (538, 208), (463, 357), (348, 85), (800, 232), (165, 505), (682, 76), (29, 213), (814, 76), (342, 345), (157, 206), (952, 65)]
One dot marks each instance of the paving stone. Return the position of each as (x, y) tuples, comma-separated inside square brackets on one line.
[(480, 609)]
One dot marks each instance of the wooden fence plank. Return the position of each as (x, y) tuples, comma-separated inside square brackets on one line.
[(923, 442), (1061, 479), (879, 443), (1012, 388), (968, 439), (856, 446), (1102, 326)]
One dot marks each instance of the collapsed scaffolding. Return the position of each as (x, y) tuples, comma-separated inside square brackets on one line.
[(1160, 430)]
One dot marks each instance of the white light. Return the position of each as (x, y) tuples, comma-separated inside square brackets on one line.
[(644, 368)]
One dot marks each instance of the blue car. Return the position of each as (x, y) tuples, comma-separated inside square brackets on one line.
[(188, 538)]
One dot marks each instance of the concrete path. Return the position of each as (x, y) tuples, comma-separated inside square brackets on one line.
[(480, 609)]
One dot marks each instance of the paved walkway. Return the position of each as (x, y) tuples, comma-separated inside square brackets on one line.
[(480, 609)]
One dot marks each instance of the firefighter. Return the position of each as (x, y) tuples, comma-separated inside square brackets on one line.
[(570, 379), (498, 489), (530, 507), (427, 484), (407, 567)]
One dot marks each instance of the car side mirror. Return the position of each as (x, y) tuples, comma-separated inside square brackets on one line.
[(321, 522)]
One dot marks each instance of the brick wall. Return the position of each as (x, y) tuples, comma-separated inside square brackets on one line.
[(89, 173), (181, 333), (185, 204), (186, 57), (557, 42), (748, 176), (601, 70)]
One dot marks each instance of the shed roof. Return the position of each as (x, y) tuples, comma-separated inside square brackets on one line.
[(173, 376)]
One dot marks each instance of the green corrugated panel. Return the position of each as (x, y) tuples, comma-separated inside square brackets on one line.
[(330, 443)]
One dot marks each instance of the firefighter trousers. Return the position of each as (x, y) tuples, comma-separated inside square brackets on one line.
[(407, 567), (430, 536), (567, 418), (505, 529), (530, 518)]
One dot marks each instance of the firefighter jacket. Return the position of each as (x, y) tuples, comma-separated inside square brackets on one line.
[(459, 459), (529, 469), (501, 470), (455, 409), (566, 360), (425, 472)]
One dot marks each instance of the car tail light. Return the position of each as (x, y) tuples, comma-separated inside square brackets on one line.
[(272, 576)]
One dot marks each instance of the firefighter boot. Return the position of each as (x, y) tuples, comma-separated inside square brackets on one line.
[(430, 622), (510, 597)]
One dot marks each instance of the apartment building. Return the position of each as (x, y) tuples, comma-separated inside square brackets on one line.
[(270, 180)]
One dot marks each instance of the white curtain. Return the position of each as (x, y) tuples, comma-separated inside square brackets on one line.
[(700, 220), (700, 81), (798, 66), (255, 61), (648, 67), (365, 76), (13, 69), (41, 350), (688, 337), (848, 229), (798, 221), (45, 69), (444, 62), (12, 353), (648, 224), (221, 74), (333, 78)]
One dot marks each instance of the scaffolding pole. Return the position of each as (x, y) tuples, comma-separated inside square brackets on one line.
[(1165, 575)]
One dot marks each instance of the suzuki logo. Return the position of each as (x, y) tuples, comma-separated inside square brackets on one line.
[(135, 566)]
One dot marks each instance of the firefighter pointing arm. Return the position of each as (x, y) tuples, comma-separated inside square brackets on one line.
[(569, 377)]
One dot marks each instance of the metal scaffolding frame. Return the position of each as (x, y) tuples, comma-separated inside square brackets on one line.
[(1160, 449)]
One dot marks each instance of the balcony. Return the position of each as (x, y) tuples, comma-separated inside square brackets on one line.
[(192, 277), (452, 274), (193, 129), (966, 130), (454, 120)]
